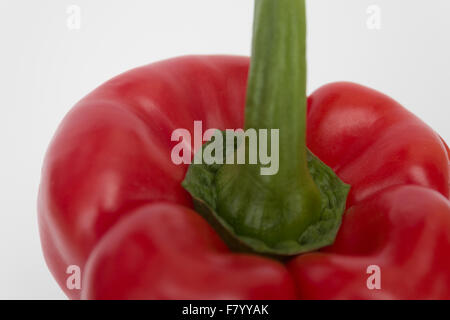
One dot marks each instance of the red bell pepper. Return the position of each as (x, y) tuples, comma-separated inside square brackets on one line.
[(111, 200)]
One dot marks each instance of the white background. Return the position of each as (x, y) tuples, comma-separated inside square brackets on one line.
[(45, 68)]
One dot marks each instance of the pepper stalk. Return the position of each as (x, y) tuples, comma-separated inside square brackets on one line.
[(300, 208)]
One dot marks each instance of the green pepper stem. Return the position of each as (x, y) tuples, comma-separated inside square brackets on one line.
[(276, 96), (285, 213), (279, 207)]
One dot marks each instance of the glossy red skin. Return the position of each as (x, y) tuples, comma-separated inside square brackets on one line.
[(404, 230), (136, 260), (111, 201)]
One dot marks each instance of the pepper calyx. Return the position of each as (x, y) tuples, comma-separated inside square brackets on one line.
[(201, 183)]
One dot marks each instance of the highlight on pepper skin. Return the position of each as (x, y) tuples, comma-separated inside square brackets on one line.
[(217, 177)]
